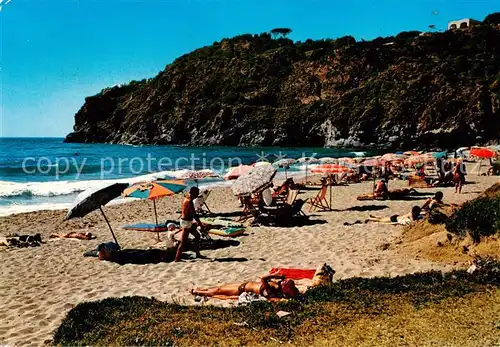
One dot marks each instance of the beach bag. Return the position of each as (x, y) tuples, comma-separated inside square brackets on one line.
[(323, 276)]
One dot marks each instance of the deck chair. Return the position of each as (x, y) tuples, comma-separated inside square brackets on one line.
[(249, 209), (200, 203), (418, 182), (291, 202), (320, 201)]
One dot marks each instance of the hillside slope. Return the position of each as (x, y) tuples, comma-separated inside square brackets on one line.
[(432, 90)]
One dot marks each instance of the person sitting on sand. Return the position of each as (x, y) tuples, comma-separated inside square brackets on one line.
[(73, 235), (406, 219), (187, 225), (381, 191), (435, 201), (267, 287)]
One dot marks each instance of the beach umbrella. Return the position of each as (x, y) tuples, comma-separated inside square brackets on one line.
[(253, 181), (410, 153), (331, 169), (347, 160), (373, 162), (307, 161), (284, 163), (482, 152), (93, 199), (419, 159), (328, 160), (195, 175), (392, 157), (236, 172), (155, 190), (261, 163)]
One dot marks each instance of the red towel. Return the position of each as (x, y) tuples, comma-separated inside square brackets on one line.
[(293, 274)]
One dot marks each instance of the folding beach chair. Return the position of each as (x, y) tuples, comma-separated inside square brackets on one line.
[(418, 182), (292, 202), (200, 203), (320, 201), (249, 209)]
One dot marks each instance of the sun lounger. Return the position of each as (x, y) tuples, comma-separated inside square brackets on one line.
[(249, 209), (320, 202)]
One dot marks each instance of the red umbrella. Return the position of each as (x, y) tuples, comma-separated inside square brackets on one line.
[(330, 169), (373, 162), (482, 152)]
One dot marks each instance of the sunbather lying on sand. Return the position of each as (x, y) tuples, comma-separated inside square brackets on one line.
[(395, 194), (267, 287), (73, 235), (397, 219)]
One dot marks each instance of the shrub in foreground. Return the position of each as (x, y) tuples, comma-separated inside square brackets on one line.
[(479, 217)]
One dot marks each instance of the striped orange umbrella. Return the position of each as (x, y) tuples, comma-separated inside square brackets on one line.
[(155, 190)]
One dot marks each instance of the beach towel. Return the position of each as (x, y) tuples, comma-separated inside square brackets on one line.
[(294, 274), (149, 227), (220, 222), (227, 232)]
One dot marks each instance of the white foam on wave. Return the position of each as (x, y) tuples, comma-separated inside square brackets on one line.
[(60, 188), (55, 188), (17, 208), (359, 154)]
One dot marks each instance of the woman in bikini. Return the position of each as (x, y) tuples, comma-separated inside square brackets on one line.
[(267, 287)]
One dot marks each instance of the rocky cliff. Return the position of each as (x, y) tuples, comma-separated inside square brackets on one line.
[(411, 90)]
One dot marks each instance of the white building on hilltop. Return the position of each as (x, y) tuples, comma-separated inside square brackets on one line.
[(462, 23)]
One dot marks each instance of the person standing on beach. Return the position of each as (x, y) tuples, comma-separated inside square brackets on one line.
[(459, 175), (187, 224)]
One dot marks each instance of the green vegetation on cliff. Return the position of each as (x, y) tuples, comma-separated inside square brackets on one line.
[(411, 90)]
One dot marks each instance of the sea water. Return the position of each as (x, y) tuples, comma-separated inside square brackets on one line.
[(46, 173)]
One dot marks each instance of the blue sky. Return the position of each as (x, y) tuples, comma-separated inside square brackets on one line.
[(56, 52)]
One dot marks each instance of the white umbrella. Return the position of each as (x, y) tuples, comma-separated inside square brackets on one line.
[(261, 163), (284, 162), (308, 160), (254, 181), (328, 160)]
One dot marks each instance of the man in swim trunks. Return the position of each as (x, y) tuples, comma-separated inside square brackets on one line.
[(187, 224), (396, 219)]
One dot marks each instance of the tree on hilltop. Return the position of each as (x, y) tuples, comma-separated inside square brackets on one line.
[(280, 31), (493, 18)]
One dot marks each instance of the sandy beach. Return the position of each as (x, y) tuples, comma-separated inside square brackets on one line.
[(41, 284)]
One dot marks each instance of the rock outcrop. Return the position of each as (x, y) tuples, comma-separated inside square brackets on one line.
[(413, 90)]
